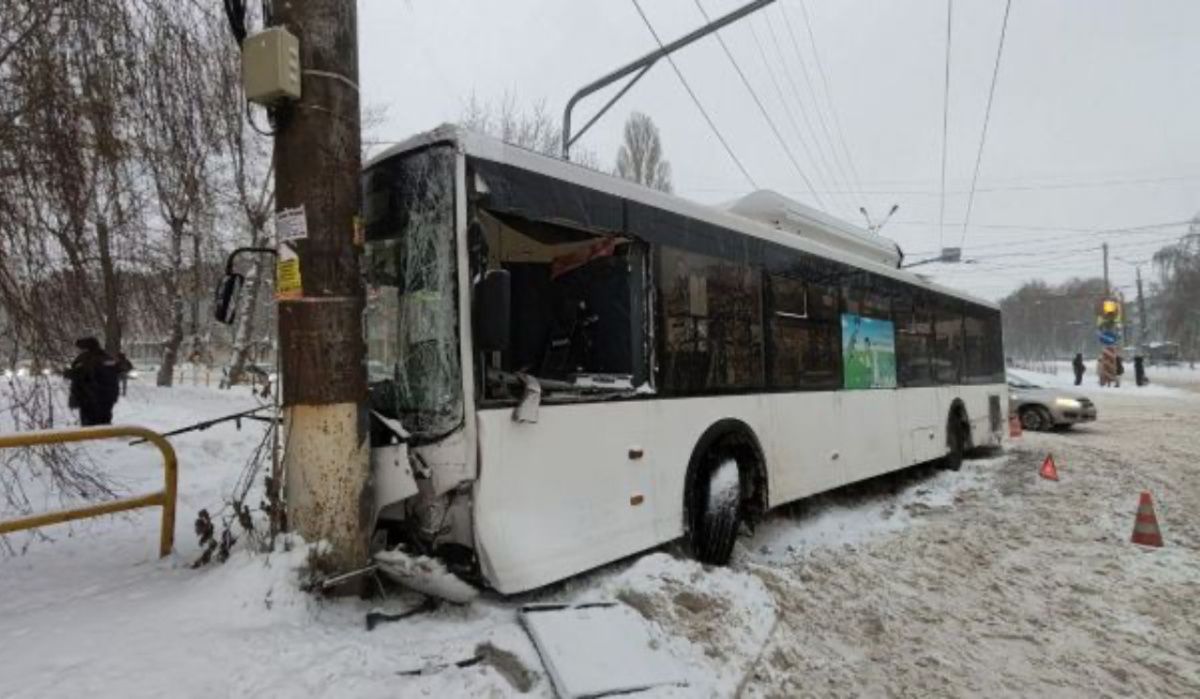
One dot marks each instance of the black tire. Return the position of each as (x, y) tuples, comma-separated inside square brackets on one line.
[(717, 521), (957, 441), (1033, 419)]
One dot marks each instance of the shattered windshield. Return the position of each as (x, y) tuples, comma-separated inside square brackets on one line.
[(411, 313)]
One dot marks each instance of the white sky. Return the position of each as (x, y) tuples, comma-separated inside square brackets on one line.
[(1095, 125)]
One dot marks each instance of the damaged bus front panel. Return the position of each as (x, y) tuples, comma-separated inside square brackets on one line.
[(423, 454), (437, 224)]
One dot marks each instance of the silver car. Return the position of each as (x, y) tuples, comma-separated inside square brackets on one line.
[(1042, 409)]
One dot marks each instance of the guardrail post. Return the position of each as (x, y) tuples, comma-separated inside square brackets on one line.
[(164, 498)]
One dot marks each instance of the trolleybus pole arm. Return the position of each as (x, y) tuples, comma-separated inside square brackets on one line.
[(643, 64)]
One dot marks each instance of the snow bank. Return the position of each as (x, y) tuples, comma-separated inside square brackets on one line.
[(846, 519)]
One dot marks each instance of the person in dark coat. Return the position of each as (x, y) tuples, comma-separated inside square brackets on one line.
[(1139, 370), (95, 383), (1120, 370), (124, 366), (1077, 365)]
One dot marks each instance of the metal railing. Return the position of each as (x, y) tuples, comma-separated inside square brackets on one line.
[(164, 498)]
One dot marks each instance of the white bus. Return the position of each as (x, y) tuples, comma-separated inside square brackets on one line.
[(569, 368)]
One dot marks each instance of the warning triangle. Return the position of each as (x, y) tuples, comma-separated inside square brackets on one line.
[(1049, 471)]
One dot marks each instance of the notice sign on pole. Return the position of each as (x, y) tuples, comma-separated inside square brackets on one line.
[(287, 273), (291, 224)]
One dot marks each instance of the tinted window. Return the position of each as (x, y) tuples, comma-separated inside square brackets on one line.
[(914, 342), (948, 342), (712, 324), (805, 341)]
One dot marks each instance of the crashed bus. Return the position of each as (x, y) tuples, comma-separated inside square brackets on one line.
[(569, 368)]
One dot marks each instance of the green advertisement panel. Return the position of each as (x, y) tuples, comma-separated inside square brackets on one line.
[(868, 352)]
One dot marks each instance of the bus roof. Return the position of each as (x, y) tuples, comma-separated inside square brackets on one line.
[(763, 214)]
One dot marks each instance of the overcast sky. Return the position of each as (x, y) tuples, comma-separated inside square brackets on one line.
[(1095, 123)]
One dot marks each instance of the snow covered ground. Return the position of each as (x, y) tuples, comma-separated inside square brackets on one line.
[(989, 581)]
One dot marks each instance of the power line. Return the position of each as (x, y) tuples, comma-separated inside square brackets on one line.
[(696, 100), (770, 122), (945, 125), (987, 115), (1068, 229), (824, 169), (815, 103), (837, 122), (1033, 187)]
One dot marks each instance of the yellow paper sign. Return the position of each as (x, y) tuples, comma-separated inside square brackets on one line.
[(287, 274)]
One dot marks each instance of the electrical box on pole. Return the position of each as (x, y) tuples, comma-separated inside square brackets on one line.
[(271, 66)]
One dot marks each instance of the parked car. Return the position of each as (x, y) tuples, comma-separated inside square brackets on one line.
[(1041, 409)]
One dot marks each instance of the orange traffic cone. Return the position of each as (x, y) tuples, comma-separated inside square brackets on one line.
[(1049, 471), (1014, 426), (1145, 526)]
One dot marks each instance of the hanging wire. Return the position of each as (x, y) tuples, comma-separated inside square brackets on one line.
[(945, 126), (696, 100), (986, 119)]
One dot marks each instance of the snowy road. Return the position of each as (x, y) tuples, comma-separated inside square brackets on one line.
[(989, 582), (1020, 587)]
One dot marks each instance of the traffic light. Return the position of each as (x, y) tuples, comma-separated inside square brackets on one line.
[(1108, 321)]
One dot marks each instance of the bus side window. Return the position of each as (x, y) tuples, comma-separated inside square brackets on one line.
[(712, 324), (948, 343), (914, 342), (804, 349)]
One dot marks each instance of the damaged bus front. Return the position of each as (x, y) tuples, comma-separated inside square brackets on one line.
[(423, 459), (485, 303)]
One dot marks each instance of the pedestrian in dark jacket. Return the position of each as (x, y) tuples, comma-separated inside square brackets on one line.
[(124, 366), (1139, 370), (1077, 365), (1120, 370), (94, 377)]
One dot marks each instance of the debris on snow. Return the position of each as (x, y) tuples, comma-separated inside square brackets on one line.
[(598, 648), (426, 575)]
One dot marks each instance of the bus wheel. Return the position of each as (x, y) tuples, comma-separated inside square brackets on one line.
[(957, 439), (718, 512)]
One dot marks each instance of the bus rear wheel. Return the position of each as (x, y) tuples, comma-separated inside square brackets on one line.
[(957, 441), (718, 512)]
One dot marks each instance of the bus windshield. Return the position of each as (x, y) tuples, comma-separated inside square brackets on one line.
[(411, 312)]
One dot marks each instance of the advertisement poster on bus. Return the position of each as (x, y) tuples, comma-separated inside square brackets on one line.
[(868, 352)]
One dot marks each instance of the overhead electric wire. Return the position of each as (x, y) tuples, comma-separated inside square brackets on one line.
[(851, 182), (987, 114), (824, 170), (837, 121), (766, 116), (837, 170), (696, 100), (945, 125)]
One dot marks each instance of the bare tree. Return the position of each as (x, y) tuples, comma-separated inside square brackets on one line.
[(533, 128), (1044, 322), (180, 139), (67, 189), (1178, 291), (640, 157)]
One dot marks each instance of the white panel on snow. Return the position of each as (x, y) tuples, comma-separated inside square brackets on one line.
[(593, 650)]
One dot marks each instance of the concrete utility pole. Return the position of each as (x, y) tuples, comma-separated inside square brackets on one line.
[(317, 156), (1141, 310), (1107, 288)]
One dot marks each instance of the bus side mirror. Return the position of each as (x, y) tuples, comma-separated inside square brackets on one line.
[(224, 306), (493, 300)]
